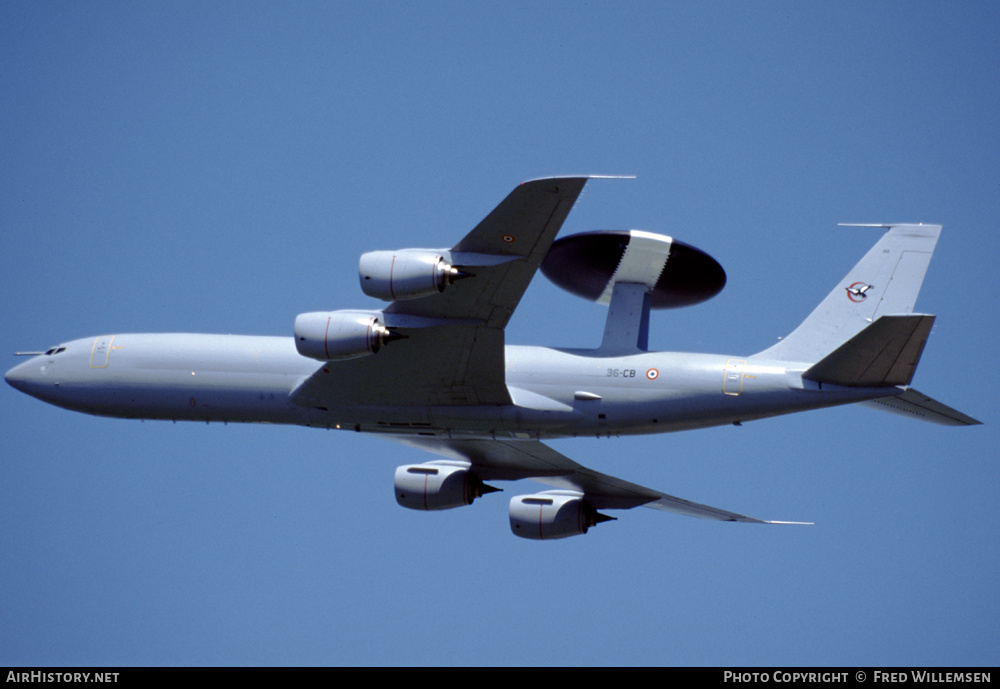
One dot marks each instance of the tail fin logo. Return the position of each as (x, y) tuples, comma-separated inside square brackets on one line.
[(858, 292)]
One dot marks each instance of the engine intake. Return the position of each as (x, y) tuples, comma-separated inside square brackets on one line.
[(552, 514), (405, 274), (439, 485), (332, 335)]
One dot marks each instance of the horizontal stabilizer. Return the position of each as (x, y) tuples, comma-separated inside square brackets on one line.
[(916, 404), (884, 353)]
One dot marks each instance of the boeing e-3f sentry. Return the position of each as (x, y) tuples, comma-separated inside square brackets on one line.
[(432, 369)]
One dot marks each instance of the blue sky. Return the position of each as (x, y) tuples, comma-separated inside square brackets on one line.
[(219, 167)]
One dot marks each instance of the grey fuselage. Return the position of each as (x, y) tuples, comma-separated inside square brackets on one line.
[(556, 392)]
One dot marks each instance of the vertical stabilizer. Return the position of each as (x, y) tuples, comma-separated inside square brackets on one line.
[(885, 282)]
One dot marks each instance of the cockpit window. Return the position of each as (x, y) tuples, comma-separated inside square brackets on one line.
[(55, 350)]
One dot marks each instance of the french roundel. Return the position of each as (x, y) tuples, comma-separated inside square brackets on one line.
[(652, 374)]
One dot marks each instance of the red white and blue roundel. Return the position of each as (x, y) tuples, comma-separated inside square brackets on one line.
[(677, 274)]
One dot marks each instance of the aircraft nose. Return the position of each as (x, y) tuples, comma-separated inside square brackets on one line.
[(27, 376)]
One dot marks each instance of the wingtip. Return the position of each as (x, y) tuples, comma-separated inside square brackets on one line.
[(542, 179)]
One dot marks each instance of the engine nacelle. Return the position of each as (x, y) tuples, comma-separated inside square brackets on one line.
[(439, 485), (552, 514), (405, 274), (331, 335)]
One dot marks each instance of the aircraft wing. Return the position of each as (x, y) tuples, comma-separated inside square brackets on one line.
[(519, 232), (454, 351), (507, 460)]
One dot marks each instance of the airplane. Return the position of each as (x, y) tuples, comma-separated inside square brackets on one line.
[(432, 368)]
